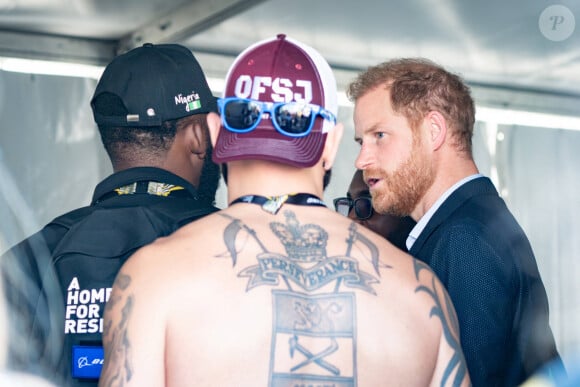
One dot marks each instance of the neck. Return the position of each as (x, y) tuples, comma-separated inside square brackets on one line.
[(272, 179), (447, 174)]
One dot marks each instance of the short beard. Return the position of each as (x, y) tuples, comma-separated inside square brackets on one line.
[(406, 186), (209, 179)]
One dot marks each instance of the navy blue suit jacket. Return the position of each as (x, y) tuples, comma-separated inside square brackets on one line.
[(484, 259)]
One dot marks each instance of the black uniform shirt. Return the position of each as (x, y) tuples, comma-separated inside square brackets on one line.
[(45, 275)]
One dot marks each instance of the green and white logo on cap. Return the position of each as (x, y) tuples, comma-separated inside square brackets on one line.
[(191, 101)]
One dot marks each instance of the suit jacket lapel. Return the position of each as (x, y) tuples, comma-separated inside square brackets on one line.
[(478, 186)]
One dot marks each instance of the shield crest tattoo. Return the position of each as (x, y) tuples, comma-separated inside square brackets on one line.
[(309, 336)]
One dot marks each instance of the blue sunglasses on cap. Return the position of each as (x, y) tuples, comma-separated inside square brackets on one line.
[(293, 119)]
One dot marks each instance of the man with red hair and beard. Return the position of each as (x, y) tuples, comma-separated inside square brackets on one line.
[(414, 121)]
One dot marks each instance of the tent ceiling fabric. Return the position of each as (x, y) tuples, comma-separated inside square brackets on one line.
[(530, 47)]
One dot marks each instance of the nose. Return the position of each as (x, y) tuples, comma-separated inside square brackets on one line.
[(352, 215), (362, 160)]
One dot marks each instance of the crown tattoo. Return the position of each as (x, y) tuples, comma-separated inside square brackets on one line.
[(303, 243)]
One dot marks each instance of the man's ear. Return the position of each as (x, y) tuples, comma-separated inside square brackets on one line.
[(331, 145), (437, 128), (214, 124), (196, 138)]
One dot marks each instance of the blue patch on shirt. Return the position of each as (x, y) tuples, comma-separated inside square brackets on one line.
[(87, 362)]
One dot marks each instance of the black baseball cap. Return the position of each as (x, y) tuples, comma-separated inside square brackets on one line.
[(149, 85)]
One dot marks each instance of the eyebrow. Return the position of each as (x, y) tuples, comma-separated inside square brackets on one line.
[(370, 129)]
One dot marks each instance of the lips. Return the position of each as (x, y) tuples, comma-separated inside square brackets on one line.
[(371, 182)]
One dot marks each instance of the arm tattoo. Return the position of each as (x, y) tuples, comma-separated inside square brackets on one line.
[(117, 368), (443, 309)]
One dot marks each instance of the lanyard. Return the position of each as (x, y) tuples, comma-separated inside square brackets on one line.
[(272, 204)]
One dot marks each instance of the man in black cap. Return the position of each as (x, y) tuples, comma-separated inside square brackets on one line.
[(151, 106)]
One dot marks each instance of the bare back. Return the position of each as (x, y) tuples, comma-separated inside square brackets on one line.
[(301, 298)]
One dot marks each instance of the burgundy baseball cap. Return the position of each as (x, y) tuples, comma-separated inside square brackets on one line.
[(279, 70)]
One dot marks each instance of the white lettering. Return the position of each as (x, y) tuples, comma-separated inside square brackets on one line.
[(94, 325), (307, 86), (82, 326), (74, 284), (282, 91), (243, 86), (70, 311), (258, 88), (84, 362), (82, 311), (85, 296), (180, 99), (72, 297), (98, 295), (69, 326), (94, 311)]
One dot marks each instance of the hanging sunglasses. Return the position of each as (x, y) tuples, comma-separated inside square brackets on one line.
[(363, 206), (293, 119)]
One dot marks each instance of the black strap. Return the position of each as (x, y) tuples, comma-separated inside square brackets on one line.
[(182, 213), (272, 204)]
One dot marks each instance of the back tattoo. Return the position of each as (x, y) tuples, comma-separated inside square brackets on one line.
[(310, 330), (314, 313)]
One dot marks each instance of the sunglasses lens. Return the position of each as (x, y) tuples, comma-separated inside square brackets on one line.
[(363, 208), (241, 115), (342, 206), (294, 119)]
